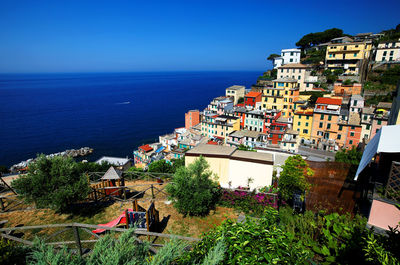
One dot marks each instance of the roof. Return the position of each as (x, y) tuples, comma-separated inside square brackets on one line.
[(329, 101), (112, 174), (285, 79), (357, 97), (203, 149), (146, 148), (245, 133), (235, 87), (290, 131), (369, 110), (291, 50), (253, 94), (116, 161), (253, 156), (384, 105), (354, 118), (318, 88), (212, 142), (294, 65), (384, 141)]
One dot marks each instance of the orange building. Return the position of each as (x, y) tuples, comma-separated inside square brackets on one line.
[(325, 123), (349, 132), (192, 118), (341, 89), (251, 98)]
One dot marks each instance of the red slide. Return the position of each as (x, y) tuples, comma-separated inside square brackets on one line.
[(119, 220)]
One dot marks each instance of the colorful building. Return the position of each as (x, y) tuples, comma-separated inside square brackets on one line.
[(388, 51), (142, 156), (324, 132), (236, 92), (350, 131), (367, 115), (341, 89), (251, 99), (219, 126), (347, 56), (255, 120), (302, 123), (281, 96), (381, 117), (192, 118), (297, 71)]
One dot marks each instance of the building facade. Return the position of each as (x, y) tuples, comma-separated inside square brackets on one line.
[(192, 118), (236, 92), (388, 51)]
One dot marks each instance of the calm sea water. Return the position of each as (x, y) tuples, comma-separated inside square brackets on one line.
[(112, 113)]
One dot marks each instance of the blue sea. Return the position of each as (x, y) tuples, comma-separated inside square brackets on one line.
[(111, 112)]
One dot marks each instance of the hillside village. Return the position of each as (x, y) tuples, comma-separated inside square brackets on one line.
[(308, 105)]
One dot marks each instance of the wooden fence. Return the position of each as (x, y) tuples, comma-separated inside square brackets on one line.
[(332, 188), (83, 241)]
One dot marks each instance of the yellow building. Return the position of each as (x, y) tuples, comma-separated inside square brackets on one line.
[(302, 123), (281, 96), (348, 56), (219, 126)]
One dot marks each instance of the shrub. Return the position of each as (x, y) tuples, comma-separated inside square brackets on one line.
[(258, 241), (11, 253), (293, 177), (160, 166), (352, 156), (192, 190), (52, 182)]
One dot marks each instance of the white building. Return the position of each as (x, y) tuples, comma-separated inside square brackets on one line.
[(287, 56), (388, 51)]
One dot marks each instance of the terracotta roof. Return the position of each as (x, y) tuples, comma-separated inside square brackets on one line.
[(146, 148), (253, 94), (329, 101), (318, 88), (212, 142), (294, 65), (384, 105)]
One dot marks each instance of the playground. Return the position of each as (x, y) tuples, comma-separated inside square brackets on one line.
[(105, 211)]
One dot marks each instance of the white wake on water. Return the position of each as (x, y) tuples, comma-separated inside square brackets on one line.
[(123, 103)]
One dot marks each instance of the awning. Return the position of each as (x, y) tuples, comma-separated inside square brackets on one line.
[(385, 141)]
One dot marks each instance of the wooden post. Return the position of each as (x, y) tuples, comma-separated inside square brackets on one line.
[(147, 224), (127, 218), (152, 191), (2, 204), (77, 240)]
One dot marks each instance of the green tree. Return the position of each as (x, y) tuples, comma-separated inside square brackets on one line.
[(351, 156), (52, 182), (316, 38), (177, 163), (160, 166), (272, 56), (192, 190), (293, 177), (4, 169)]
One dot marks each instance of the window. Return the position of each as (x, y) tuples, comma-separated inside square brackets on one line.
[(281, 70), (299, 123), (329, 117), (287, 71), (340, 127), (330, 55), (279, 136), (305, 131), (291, 53), (322, 117), (292, 145), (368, 126), (320, 125), (307, 124), (284, 144), (355, 54), (365, 117), (339, 136), (352, 127), (377, 130), (391, 53), (291, 60), (351, 142), (308, 117), (328, 126), (384, 53), (379, 122), (307, 85)]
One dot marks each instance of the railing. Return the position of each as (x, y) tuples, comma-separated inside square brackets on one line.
[(79, 239)]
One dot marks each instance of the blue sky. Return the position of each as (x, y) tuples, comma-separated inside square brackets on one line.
[(99, 36)]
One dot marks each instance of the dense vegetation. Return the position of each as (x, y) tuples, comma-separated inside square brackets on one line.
[(192, 189), (293, 177), (313, 39), (55, 182)]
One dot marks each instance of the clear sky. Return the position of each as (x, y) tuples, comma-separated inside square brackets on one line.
[(99, 36)]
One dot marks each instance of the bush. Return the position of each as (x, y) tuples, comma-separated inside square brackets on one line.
[(249, 202), (255, 241), (4, 169), (160, 166), (11, 253), (53, 182), (293, 177), (352, 156), (192, 190)]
